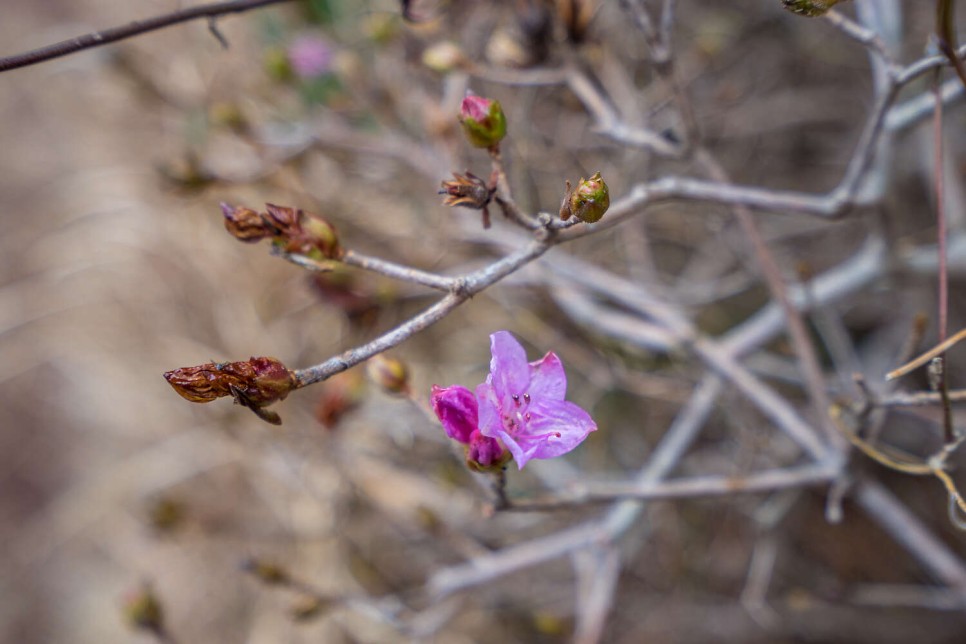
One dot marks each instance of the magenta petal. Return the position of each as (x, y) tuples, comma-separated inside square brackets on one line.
[(484, 451), (548, 381), (457, 410), (509, 370), (555, 428)]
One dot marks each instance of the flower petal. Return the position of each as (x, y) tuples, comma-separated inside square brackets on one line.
[(548, 381), (457, 410), (555, 428), (509, 370), (488, 404)]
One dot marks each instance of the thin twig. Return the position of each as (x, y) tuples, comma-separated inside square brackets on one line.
[(922, 359), (136, 28)]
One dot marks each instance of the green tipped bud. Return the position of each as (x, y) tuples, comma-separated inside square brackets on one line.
[(810, 8), (483, 121), (389, 373), (588, 201), (320, 238)]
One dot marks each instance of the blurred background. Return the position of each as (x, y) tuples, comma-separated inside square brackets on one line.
[(115, 267)]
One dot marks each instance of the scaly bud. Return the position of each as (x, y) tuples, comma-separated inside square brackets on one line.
[(291, 230), (466, 190), (588, 201), (810, 8), (254, 383), (245, 224), (300, 232), (483, 121), (389, 373), (469, 191)]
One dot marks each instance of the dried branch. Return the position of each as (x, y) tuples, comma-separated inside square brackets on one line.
[(136, 28)]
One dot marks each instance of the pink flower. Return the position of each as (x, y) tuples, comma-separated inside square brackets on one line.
[(520, 407), (310, 56)]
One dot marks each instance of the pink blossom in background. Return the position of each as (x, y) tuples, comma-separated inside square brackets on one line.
[(310, 56), (521, 406)]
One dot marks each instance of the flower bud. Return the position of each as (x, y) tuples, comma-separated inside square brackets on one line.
[(319, 239), (292, 230), (588, 201), (389, 373), (810, 8), (485, 454), (302, 233), (466, 190), (254, 383), (245, 224), (483, 121)]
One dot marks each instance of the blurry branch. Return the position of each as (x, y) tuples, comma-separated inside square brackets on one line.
[(313, 602), (860, 34), (908, 531), (607, 529), (694, 487), (136, 28)]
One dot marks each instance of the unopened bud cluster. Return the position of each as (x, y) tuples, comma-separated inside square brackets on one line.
[(253, 383), (291, 230)]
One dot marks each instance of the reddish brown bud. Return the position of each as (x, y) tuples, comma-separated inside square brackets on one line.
[(292, 230), (469, 191), (303, 233), (245, 224), (466, 190), (254, 383)]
